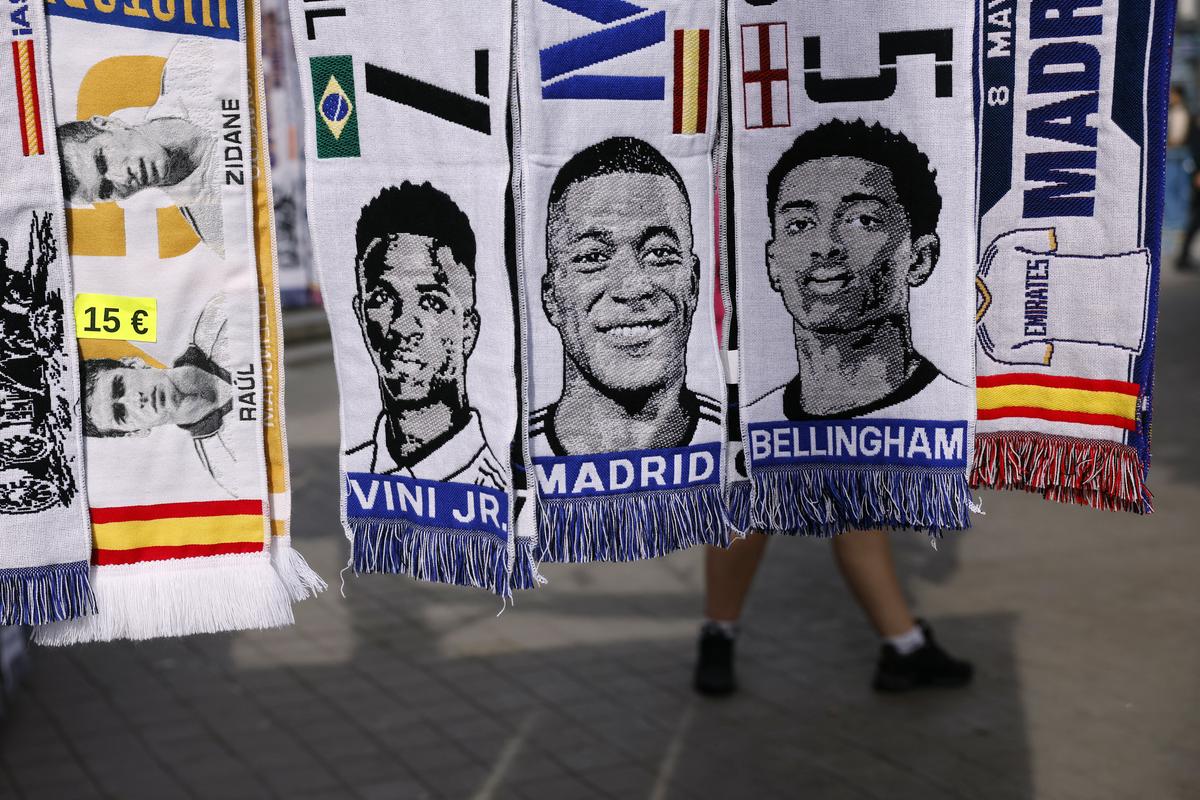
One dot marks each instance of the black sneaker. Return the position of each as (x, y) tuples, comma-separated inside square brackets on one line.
[(714, 666), (928, 667)]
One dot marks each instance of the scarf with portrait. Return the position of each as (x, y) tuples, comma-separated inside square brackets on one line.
[(625, 391), (852, 175), (408, 182), (154, 131), (44, 531), (1067, 283)]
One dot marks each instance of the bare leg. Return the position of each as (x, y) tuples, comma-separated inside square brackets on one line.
[(865, 560), (728, 574)]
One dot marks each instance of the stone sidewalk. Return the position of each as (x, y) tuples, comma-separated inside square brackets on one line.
[(1082, 625)]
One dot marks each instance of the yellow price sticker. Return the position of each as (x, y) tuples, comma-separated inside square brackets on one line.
[(108, 316)]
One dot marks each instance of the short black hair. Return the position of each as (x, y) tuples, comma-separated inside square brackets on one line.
[(620, 154), (914, 179), (78, 131), (93, 369), (417, 210)]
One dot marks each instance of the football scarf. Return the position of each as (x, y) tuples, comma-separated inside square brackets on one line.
[(853, 194), (44, 532), (1072, 113), (408, 175), (293, 570), (154, 131), (616, 129)]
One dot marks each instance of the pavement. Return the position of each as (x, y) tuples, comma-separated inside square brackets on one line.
[(1082, 625)]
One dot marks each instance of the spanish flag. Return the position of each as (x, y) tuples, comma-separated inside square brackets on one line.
[(29, 112), (129, 534), (1082, 401), (691, 81)]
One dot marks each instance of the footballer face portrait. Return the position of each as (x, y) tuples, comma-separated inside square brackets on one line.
[(620, 288)]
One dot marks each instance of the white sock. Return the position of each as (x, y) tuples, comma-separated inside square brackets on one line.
[(728, 629), (910, 641)]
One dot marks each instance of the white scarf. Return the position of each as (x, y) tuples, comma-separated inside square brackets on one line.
[(154, 127), (1070, 217), (408, 173), (617, 121), (44, 532), (853, 195)]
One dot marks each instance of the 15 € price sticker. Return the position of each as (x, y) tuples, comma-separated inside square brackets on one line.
[(108, 316)]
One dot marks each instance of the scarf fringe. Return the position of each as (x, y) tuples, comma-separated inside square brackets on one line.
[(438, 555), (629, 527), (525, 574), (39, 595), (829, 501), (737, 507), (299, 579), (1088, 472), (153, 600)]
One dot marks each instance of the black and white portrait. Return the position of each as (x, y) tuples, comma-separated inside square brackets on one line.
[(172, 146), (621, 287), (415, 303), (130, 397), (853, 212)]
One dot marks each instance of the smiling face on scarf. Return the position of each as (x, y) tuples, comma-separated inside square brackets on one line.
[(622, 279), (416, 308)]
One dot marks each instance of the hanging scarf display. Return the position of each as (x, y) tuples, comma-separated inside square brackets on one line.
[(44, 532), (154, 131), (853, 173), (408, 174), (1072, 113), (293, 570), (616, 129)]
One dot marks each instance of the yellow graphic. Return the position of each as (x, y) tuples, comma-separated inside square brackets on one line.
[(96, 231), (111, 85), (1085, 401), (334, 89), (110, 348), (691, 82), (109, 316), (175, 235), (31, 125), (270, 325)]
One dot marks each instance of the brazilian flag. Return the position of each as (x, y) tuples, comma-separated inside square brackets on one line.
[(337, 116)]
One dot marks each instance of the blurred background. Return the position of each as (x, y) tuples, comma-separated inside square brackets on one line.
[(1082, 626)]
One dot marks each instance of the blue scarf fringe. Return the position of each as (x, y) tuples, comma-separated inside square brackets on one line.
[(461, 558), (628, 527), (826, 502), (524, 571), (737, 507), (38, 595)]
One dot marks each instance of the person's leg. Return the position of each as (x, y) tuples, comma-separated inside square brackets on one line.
[(865, 561), (909, 657), (728, 574)]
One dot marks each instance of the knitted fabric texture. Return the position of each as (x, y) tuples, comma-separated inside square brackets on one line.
[(1072, 115), (155, 133), (299, 579), (408, 176), (853, 193), (617, 122), (44, 531)]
